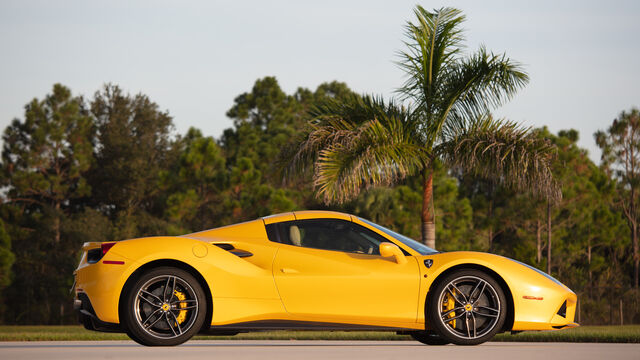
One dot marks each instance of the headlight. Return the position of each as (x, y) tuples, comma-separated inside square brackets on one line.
[(541, 273)]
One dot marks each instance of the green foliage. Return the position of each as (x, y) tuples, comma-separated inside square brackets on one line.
[(620, 146), (195, 182), (396, 208), (455, 214), (6, 257), (132, 149), (45, 160), (45, 156), (264, 121)]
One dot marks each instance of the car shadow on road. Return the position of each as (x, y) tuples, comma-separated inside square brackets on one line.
[(279, 344)]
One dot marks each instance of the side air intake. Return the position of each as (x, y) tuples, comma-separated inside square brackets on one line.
[(563, 309)]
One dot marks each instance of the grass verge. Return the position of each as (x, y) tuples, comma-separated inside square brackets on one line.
[(601, 334), (610, 334)]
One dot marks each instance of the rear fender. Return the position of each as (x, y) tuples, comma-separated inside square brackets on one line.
[(234, 277)]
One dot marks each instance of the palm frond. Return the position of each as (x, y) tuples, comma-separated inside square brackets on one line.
[(336, 122), (447, 87), (481, 82), (432, 43), (379, 153), (299, 156), (505, 152)]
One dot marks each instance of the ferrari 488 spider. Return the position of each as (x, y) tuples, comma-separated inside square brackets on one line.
[(310, 270)]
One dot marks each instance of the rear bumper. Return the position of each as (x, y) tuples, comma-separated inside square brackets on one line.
[(87, 316), (102, 283)]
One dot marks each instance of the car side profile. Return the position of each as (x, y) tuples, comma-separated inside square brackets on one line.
[(310, 270)]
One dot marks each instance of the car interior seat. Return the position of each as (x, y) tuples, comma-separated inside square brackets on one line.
[(294, 235)]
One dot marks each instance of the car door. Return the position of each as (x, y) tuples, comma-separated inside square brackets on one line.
[(331, 269)]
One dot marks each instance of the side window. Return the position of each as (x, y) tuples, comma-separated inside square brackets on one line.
[(326, 234), (364, 234)]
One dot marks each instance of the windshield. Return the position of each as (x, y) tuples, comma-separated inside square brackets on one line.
[(419, 247)]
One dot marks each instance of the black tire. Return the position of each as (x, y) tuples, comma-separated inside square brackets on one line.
[(467, 307), (165, 306), (429, 338)]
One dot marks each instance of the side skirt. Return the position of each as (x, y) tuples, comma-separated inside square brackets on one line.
[(261, 325)]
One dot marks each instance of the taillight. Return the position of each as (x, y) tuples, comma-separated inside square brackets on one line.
[(94, 255), (105, 247)]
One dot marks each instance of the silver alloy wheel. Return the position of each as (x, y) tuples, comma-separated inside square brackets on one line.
[(166, 306), (469, 307)]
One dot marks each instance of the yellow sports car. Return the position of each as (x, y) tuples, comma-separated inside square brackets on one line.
[(310, 270)]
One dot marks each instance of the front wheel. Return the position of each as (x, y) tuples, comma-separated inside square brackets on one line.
[(166, 306), (468, 307)]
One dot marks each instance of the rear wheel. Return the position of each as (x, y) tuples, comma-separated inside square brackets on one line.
[(165, 306), (468, 307)]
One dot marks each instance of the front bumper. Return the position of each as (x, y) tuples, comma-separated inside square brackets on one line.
[(551, 307)]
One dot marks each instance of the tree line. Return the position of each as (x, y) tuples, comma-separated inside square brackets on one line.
[(113, 167)]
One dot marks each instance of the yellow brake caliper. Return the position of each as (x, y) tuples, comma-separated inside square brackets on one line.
[(182, 315), (448, 304)]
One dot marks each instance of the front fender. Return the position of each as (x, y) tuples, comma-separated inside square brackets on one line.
[(536, 298)]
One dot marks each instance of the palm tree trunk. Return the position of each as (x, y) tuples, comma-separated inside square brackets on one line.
[(428, 216)]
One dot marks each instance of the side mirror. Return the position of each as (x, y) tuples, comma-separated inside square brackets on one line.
[(388, 250)]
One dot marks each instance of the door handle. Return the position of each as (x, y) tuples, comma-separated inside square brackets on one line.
[(289, 271)]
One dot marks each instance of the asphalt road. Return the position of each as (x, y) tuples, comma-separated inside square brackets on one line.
[(309, 350)]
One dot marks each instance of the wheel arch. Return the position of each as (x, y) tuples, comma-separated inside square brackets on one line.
[(172, 263), (508, 324)]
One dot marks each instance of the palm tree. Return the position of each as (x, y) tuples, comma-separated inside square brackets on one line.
[(362, 141)]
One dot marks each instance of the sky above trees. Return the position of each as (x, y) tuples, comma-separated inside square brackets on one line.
[(194, 57)]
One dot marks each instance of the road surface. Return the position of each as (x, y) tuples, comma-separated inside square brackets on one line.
[(310, 350)]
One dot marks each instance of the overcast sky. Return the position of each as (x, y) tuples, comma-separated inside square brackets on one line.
[(194, 57)]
